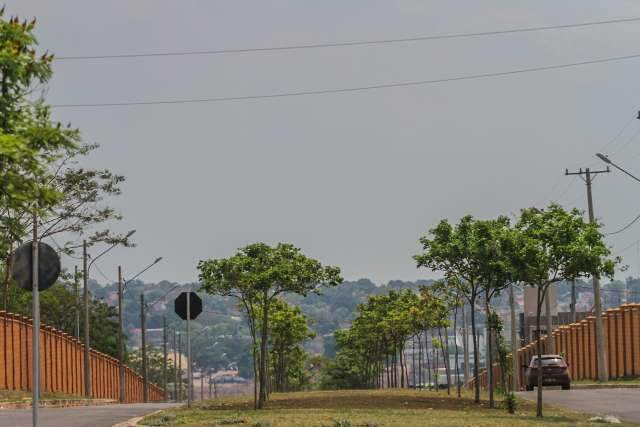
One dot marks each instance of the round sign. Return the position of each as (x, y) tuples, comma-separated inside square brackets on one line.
[(48, 266)]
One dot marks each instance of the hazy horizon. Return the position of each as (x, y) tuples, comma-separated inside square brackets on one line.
[(354, 179)]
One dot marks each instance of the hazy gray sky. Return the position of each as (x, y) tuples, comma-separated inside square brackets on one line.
[(353, 179)]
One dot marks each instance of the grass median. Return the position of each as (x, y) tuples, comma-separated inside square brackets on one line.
[(366, 408)]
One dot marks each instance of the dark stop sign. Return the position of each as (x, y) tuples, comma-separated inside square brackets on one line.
[(195, 305), (48, 266)]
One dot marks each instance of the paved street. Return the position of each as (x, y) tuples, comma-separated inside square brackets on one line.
[(85, 416), (622, 403)]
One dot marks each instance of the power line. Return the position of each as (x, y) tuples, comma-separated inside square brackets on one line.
[(104, 276), (346, 44), (624, 228), (163, 296), (350, 89)]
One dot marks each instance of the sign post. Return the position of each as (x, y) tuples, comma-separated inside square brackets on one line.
[(35, 326), (188, 306), (36, 267)]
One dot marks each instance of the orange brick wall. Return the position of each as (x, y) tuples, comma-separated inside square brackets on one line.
[(577, 342), (61, 364)]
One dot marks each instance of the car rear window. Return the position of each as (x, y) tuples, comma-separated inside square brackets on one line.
[(549, 361)]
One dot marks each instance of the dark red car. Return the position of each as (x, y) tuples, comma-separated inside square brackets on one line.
[(554, 372)]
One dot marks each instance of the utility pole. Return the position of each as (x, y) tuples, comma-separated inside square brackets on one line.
[(145, 388), (514, 341), (551, 348), (87, 348), (201, 385), (120, 339), (603, 373), (76, 288), (573, 301), (35, 329), (164, 351)]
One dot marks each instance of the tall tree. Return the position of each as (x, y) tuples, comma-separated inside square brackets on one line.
[(257, 275), (552, 245), (289, 330), (455, 250)]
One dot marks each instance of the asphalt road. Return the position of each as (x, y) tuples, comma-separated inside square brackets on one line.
[(83, 416), (619, 402)]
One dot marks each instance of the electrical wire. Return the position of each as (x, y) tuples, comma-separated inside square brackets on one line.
[(162, 297), (352, 89), (347, 44), (624, 228), (104, 276)]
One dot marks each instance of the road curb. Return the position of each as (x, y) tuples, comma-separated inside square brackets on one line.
[(133, 422)]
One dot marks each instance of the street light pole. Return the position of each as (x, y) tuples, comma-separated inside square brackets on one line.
[(121, 288), (603, 372), (87, 350), (76, 289), (85, 278), (145, 388), (120, 339)]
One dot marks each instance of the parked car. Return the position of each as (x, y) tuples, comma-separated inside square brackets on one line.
[(554, 372)]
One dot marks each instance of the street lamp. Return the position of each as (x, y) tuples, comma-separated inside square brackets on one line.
[(121, 289), (609, 162), (85, 277)]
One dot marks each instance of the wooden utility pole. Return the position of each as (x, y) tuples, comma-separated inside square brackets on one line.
[(603, 373)]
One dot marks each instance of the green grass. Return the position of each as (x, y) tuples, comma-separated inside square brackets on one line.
[(611, 381), (15, 396), (364, 408)]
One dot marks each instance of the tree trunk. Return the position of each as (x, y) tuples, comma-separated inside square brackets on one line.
[(539, 350), (401, 355), (7, 276), (420, 360), (489, 357), (413, 360), (436, 364), (476, 384), (455, 342), (426, 351), (262, 397), (445, 357)]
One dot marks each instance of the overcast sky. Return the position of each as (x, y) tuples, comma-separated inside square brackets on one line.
[(353, 179)]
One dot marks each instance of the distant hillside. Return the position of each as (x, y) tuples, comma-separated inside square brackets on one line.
[(221, 336)]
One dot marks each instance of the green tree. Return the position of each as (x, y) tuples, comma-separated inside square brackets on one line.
[(257, 275), (456, 251), (289, 330), (155, 364), (552, 245)]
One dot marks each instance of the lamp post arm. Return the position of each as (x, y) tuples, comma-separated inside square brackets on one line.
[(126, 282), (101, 253)]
